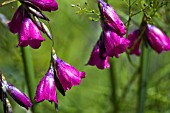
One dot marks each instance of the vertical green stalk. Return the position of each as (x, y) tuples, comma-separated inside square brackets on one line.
[(143, 79), (29, 71), (114, 85)]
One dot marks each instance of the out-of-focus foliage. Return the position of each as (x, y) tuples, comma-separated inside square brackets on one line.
[(74, 36)]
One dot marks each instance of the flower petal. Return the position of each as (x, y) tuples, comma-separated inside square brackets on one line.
[(96, 57), (67, 74), (114, 43), (15, 24), (134, 42), (46, 89), (30, 34)]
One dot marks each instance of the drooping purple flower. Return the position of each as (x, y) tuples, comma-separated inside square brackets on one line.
[(30, 34), (97, 57), (112, 18), (18, 96), (45, 5), (15, 24), (67, 74), (114, 44), (46, 89), (134, 42), (157, 39)]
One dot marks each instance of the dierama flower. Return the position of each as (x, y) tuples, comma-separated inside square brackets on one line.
[(46, 89), (114, 44), (67, 74), (45, 5), (30, 34), (157, 39), (97, 57), (23, 25), (134, 42), (16, 22), (112, 18), (28, 28), (18, 96), (15, 93)]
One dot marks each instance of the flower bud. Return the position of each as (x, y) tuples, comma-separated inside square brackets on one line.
[(157, 39), (112, 18), (18, 96)]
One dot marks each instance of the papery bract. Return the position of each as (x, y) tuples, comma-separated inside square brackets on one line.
[(45, 5), (134, 42), (114, 43), (67, 74), (18, 96), (96, 57), (46, 89), (157, 39), (30, 34), (112, 18), (16, 22)]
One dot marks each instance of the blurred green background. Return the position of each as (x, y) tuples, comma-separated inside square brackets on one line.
[(75, 36)]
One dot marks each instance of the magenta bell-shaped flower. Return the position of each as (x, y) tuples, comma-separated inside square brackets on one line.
[(114, 44), (112, 18), (30, 34), (157, 39), (46, 89), (45, 5), (15, 24), (96, 57), (17, 95), (134, 42), (67, 74)]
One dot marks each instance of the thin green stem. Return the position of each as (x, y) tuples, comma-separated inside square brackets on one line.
[(131, 81), (114, 85), (29, 73), (143, 79), (143, 68)]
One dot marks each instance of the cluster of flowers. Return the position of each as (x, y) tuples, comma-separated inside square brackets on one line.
[(158, 40), (112, 43), (26, 22), (68, 76)]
